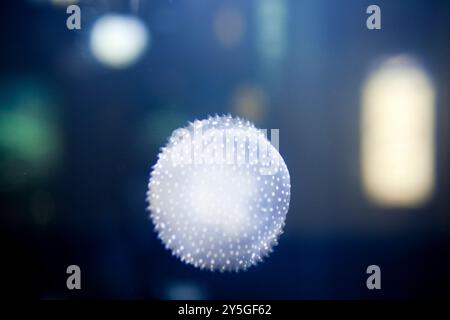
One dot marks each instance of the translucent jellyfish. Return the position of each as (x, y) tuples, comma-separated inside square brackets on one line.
[(219, 194)]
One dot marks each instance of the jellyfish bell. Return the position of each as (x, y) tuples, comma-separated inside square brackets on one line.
[(219, 194)]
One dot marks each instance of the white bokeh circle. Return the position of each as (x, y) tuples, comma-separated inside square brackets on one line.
[(118, 40), (214, 215)]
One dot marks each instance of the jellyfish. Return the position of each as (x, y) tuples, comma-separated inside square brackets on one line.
[(218, 194)]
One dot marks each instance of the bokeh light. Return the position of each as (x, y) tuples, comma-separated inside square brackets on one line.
[(118, 40), (42, 208), (229, 26), (184, 290), (29, 138), (250, 101), (398, 134), (271, 20), (156, 127), (56, 3), (63, 3)]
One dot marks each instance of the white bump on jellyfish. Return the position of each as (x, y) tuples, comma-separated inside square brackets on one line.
[(216, 215)]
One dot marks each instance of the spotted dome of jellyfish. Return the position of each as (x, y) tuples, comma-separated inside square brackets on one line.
[(218, 194)]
